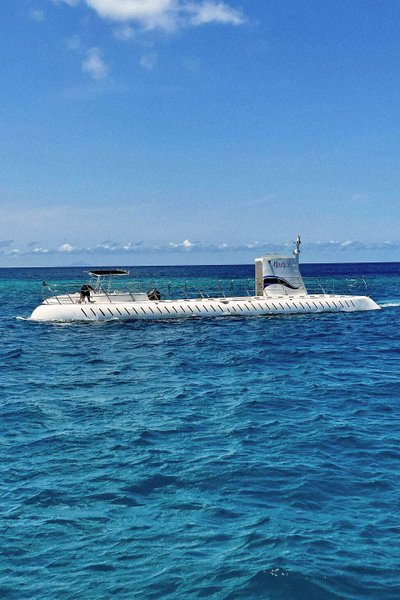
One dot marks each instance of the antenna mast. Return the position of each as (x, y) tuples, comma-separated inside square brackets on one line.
[(296, 250)]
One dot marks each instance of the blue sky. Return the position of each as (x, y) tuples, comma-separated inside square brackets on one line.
[(198, 131)]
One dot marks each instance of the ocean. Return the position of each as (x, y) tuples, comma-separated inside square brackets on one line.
[(229, 458)]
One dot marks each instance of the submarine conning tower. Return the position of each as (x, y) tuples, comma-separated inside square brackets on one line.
[(278, 275)]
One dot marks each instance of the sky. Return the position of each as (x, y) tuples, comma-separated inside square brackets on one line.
[(161, 132)]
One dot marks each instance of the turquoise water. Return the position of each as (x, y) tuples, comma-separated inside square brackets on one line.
[(225, 458)]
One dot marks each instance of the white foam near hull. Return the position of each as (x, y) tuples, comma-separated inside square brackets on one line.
[(210, 307)]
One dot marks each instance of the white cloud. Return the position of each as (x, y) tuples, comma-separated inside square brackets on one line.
[(37, 15), (110, 246), (66, 248), (132, 246), (353, 245), (94, 65), (214, 12), (74, 43), (39, 250), (148, 61), (186, 245), (167, 15), (125, 33), (150, 14)]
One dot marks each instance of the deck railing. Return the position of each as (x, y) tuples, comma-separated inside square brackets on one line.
[(207, 288)]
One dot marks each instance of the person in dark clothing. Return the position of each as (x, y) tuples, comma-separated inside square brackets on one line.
[(85, 293)]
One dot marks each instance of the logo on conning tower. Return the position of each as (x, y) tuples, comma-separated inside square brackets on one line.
[(272, 280)]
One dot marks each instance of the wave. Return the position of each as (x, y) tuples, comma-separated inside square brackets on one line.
[(277, 584), (390, 304)]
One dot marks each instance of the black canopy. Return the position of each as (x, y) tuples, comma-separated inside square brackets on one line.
[(105, 272)]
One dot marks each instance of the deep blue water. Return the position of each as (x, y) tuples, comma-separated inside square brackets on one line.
[(226, 458)]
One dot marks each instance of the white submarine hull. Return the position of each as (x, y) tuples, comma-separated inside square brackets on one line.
[(210, 307)]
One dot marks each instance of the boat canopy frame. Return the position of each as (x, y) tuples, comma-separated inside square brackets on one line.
[(102, 278)]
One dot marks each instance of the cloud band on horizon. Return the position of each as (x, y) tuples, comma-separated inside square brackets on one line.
[(8, 248)]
